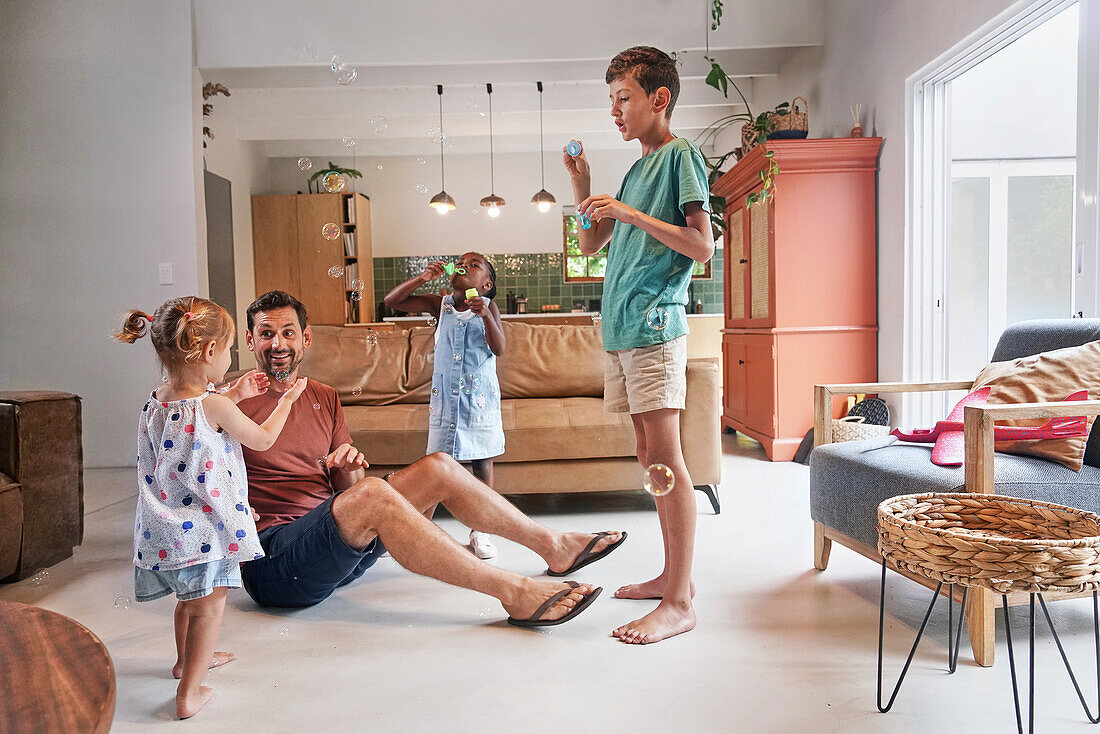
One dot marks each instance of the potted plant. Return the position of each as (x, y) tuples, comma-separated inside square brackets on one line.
[(331, 168)]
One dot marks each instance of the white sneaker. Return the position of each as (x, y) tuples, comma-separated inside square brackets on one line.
[(482, 545)]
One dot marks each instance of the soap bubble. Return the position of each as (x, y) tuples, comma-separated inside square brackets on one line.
[(420, 161), (480, 400), (331, 231), (357, 284), (41, 577), (659, 480), (284, 632), (431, 411), (471, 104), (657, 318), (123, 603), (378, 124), (333, 182), (597, 318), (372, 339), (348, 141), (343, 73), (336, 271), (380, 166), (316, 406), (308, 53), (457, 357), (421, 189), (357, 295), (356, 390), (435, 391), (432, 321), (304, 163), (436, 135), (282, 376), (469, 384)]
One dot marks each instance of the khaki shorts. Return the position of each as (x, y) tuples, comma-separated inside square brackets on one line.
[(646, 378)]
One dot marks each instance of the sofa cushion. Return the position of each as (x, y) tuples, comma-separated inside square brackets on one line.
[(847, 485), (1045, 377), (551, 361), (536, 429), (342, 358)]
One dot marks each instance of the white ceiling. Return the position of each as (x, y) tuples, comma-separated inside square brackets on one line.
[(274, 55)]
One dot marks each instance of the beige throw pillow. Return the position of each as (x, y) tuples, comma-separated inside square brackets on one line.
[(1044, 378)]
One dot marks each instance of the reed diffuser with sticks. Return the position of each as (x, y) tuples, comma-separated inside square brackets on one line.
[(857, 113)]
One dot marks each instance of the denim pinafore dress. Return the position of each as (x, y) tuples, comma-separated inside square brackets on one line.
[(464, 410)]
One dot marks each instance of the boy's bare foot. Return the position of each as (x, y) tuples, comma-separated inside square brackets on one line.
[(573, 544), (536, 592), (220, 659), (652, 589), (188, 706), (665, 621)]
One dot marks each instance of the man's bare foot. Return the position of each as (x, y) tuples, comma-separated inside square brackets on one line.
[(665, 621), (573, 544), (220, 659), (188, 706), (535, 593), (652, 589)]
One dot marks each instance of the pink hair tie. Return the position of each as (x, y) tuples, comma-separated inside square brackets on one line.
[(189, 316), (148, 317)]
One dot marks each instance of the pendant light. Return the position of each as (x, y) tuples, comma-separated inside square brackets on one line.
[(441, 202), (492, 201), (543, 199)]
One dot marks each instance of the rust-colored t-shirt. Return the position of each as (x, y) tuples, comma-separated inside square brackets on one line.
[(287, 481)]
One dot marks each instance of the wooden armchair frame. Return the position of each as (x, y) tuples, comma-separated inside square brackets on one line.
[(978, 422)]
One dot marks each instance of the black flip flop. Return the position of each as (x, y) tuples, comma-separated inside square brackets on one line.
[(535, 619), (586, 556)]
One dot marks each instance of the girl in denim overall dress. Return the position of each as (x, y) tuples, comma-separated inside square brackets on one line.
[(464, 412)]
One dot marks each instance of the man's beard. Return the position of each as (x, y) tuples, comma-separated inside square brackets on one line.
[(271, 370)]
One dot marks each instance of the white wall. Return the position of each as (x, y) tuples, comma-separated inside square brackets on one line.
[(404, 224), (870, 50), (96, 112)]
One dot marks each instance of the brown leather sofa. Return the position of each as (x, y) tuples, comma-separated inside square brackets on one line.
[(41, 481), (557, 436)]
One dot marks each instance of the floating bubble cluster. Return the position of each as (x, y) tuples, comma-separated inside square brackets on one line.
[(282, 375), (343, 73), (659, 480), (123, 603), (378, 124), (336, 271), (348, 141), (432, 321), (304, 163), (334, 182), (358, 284), (330, 231), (657, 318), (356, 295), (372, 339), (421, 189)]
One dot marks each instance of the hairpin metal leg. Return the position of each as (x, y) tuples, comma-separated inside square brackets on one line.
[(1061, 650), (952, 651)]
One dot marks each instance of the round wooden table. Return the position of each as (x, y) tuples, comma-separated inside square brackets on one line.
[(55, 675)]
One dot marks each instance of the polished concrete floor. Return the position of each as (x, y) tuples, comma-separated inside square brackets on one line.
[(779, 648)]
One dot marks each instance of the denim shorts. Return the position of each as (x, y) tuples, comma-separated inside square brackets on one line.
[(306, 560), (189, 582)]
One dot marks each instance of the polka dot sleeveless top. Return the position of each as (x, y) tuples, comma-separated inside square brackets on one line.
[(192, 490)]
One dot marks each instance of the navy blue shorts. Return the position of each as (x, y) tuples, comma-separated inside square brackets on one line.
[(306, 561)]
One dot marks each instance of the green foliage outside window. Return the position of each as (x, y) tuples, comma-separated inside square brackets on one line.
[(583, 267)]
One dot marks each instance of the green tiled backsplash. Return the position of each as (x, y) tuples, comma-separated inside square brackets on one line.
[(537, 276)]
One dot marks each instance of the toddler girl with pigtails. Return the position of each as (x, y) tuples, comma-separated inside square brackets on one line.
[(194, 525)]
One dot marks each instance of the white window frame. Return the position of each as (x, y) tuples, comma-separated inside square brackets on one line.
[(928, 184)]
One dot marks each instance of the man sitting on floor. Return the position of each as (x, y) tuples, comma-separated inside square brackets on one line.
[(322, 524)]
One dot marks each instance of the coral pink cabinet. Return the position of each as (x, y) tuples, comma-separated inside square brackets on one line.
[(800, 284)]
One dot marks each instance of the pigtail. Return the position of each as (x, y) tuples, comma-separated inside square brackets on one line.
[(133, 326)]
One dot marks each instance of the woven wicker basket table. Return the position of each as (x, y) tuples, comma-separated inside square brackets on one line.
[(1005, 544)]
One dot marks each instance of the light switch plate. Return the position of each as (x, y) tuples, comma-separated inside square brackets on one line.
[(164, 274)]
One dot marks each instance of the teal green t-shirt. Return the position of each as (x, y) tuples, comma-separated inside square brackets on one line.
[(643, 274)]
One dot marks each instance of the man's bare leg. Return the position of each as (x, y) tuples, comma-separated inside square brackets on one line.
[(655, 587), (372, 508), (676, 511), (439, 478)]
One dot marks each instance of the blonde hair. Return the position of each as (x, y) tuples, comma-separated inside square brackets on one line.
[(181, 329)]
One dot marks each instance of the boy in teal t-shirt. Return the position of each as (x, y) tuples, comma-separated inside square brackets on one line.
[(656, 228)]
